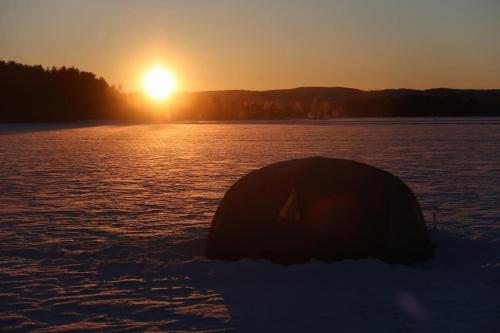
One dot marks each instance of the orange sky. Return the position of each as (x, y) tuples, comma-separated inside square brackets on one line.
[(232, 44)]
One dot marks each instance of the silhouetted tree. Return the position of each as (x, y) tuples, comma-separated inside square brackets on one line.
[(32, 93)]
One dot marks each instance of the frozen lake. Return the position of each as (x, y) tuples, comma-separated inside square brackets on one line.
[(102, 228)]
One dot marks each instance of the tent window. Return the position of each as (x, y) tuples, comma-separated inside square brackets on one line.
[(290, 212)]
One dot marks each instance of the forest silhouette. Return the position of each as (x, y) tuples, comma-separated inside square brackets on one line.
[(34, 94), (37, 94)]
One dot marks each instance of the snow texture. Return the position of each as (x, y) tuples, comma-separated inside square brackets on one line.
[(102, 228)]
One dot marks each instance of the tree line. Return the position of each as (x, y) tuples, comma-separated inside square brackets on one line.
[(37, 94), (325, 103), (34, 93)]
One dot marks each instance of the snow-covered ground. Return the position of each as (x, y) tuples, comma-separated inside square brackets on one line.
[(102, 228)]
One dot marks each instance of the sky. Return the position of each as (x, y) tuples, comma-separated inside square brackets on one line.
[(259, 45)]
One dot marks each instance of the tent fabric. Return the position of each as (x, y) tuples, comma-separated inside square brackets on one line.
[(323, 208)]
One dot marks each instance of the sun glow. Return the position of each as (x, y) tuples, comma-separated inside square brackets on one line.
[(158, 83)]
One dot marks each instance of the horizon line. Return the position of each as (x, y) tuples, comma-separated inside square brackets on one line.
[(322, 87), (48, 68)]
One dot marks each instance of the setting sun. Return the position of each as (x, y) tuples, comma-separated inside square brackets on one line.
[(158, 83)]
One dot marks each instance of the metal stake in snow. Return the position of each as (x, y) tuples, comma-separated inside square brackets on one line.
[(434, 219)]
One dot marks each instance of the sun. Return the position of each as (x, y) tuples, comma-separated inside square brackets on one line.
[(158, 83)]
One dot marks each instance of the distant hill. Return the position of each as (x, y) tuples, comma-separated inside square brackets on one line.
[(322, 103), (33, 93)]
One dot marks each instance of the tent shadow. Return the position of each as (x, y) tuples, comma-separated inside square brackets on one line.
[(367, 294)]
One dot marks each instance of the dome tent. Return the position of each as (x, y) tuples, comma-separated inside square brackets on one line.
[(329, 209)]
